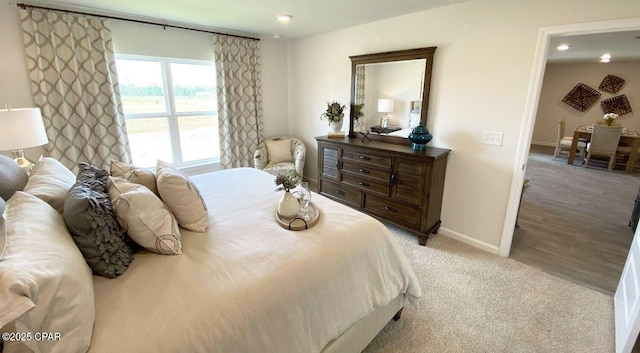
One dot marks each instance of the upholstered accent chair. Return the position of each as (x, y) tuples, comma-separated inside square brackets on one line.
[(278, 155), (564, 142)]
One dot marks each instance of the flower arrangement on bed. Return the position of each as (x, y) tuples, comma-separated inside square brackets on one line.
[(129, 260)]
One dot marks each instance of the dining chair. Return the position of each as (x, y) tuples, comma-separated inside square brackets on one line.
[(564, 142), (604, 142)]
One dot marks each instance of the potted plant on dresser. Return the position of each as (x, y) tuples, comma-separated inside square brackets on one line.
[(334, 115)]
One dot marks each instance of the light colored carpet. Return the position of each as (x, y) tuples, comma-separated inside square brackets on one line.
[(474, 301)]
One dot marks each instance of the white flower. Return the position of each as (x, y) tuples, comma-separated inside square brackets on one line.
[(610, 116)]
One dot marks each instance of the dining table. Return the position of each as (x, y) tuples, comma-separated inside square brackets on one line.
[(629, 137)]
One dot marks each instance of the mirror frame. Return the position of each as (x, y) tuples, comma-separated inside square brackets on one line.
[(383, 57)]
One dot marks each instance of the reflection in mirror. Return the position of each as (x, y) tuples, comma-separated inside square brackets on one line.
[(394, 90)]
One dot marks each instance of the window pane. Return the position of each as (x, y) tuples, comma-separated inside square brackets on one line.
[(149, 140), (141, 86), (194, 87), (199, 137)]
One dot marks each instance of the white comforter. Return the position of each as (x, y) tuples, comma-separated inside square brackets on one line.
[(248, 285)]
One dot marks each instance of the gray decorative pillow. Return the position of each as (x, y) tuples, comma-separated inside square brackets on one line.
[(12, 177), (92, 223)]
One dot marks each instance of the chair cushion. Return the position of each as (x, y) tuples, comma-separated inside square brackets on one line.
[(279, 150), (50, 181), (279, 168), (12, 177)]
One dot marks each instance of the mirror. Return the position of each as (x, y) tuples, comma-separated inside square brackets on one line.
[(394, 88)]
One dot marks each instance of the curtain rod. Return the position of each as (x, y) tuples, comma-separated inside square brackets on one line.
[(163, 25)]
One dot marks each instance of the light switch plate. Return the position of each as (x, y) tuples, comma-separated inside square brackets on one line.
[(492, 138)]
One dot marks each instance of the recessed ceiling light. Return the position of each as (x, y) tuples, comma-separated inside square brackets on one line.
[(276, 36), (563, 46), (284, 18), (605, 58)]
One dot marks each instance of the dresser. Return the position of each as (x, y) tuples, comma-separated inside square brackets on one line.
[(388, 181)]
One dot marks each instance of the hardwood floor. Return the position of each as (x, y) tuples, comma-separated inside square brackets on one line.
[(574, 221)]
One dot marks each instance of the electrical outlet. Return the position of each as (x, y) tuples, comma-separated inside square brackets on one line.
[(492, 138)]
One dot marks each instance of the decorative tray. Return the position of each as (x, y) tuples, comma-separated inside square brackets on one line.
[(297, 222)]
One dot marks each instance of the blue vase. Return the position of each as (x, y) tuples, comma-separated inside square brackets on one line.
[(419, 138)]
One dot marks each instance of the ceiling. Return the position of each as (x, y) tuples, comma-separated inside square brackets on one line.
[(623, 46), (255, 17)]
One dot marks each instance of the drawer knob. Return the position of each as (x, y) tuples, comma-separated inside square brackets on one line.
[(390, 209), (339, 192), (365, 158), (363, 183), (362, 170)]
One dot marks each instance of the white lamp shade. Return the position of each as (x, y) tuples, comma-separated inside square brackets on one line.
[(21, 128), (385, 105)]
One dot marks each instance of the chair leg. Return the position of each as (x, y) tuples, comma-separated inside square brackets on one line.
[(586, 160), (556, 152), (612, 161)]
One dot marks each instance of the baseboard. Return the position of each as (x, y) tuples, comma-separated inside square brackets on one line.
[(539, 143), (468, 240)]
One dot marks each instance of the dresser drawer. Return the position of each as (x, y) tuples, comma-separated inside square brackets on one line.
[(366, 184), (364, 171), (343, 192), (361, 157), (389, 209)]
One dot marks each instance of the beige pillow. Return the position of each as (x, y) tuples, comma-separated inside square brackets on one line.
[(182, 197), (134, 174), (279, 151), (45, 284), (145, 217), (50, 181)]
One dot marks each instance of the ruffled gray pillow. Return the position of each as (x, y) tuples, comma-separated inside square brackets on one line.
[(92, 223)]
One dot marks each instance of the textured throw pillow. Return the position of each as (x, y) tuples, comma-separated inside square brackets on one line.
[(50, 181), (182, 197), (134, 174), (279, 150), (45, 284), (145, 217), (92, 222), (12, 177)]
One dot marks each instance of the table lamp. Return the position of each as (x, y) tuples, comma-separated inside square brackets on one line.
[(21, 128), (385, 106)]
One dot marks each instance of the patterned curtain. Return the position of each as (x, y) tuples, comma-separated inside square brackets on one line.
[(360, 73), (71, 66), (239, 99)]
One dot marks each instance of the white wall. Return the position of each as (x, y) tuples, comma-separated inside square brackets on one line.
[(559, 79), (481, 77), (132, 38)]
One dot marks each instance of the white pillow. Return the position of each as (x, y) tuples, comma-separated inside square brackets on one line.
[(145, 217), (182, 197), (45, 284), (279, 151), (50, 181), (134, 174)]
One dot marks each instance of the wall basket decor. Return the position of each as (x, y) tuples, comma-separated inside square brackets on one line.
[(618, 104), (581, 97), (611, 84)]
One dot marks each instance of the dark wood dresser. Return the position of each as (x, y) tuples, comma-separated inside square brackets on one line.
[(388, 181)]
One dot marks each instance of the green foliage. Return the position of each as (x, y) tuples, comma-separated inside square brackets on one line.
[(288, 181), (334, 112), (357, 111)]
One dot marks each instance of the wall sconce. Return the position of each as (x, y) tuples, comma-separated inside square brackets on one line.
[(21, 128), (385, 106)]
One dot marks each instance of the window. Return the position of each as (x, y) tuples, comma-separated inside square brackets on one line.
[(170, 109)]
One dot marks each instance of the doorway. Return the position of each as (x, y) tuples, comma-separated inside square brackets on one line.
[(526, 134)]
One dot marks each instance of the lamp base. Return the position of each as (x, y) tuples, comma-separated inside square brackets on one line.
[(22, 161)]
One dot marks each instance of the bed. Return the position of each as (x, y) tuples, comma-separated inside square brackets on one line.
[(248, 285)]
